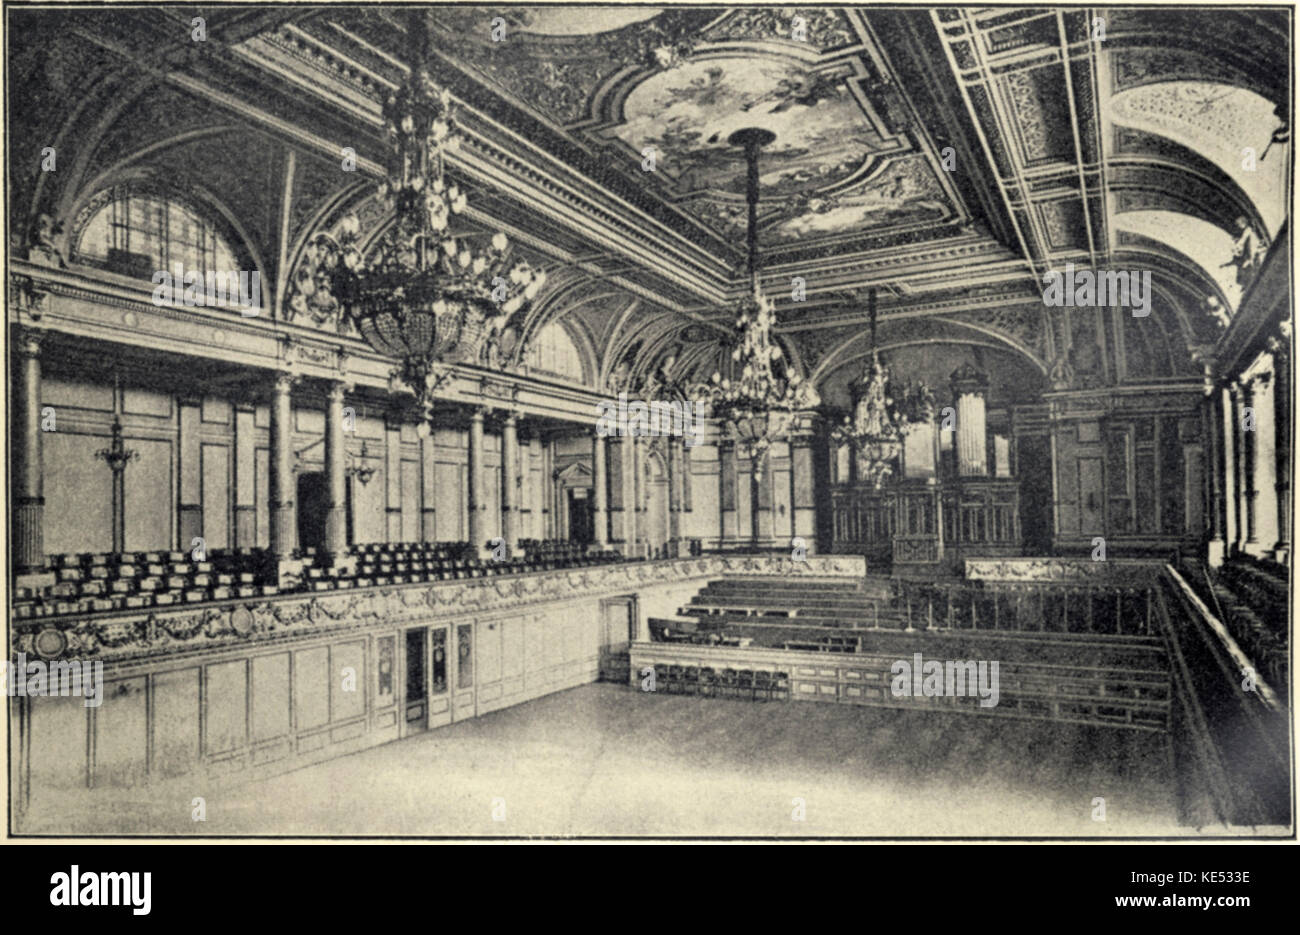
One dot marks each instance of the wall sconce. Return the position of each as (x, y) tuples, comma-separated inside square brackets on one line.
[(358, 469)]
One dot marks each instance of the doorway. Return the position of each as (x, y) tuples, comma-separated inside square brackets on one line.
[(580, 524), (314, 504), (417, 710)]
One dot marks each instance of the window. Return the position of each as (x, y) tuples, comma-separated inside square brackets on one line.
[(553, 352), (132, 226)]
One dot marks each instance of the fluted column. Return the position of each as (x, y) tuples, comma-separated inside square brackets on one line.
[(29, 498), (475, 480), (336, 520), (510, 482), (284, 525), (600, 508), (969, 387), (632, 493)]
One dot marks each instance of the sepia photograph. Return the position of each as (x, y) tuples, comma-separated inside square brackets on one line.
[(603, 422)]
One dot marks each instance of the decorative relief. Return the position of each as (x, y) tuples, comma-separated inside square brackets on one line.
[(1063, 571), (114, 638), (826, 29)]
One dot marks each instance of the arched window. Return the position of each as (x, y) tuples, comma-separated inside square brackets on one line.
[(138, 232), (553, 352)]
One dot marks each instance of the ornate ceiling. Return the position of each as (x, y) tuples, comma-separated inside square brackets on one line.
[(947, 157)]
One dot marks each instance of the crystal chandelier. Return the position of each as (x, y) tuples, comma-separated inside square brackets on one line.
[(423, 296), (758, 403), (882, 414)]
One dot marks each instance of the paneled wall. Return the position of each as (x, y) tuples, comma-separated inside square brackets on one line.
[(1132, 476), (202, 468), (273, 705)]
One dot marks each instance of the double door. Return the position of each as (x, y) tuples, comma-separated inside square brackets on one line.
[(439, 676)]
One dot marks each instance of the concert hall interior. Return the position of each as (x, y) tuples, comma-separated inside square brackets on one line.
[(628, 420)]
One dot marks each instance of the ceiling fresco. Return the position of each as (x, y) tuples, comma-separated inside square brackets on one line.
[(925, 153)]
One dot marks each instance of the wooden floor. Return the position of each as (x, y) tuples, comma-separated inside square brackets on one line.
[(607, 760)]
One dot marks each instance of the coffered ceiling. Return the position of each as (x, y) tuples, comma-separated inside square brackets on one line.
[(947, 157)]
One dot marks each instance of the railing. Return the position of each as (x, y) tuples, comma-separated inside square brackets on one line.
[(1230, 728), (1034, 608)]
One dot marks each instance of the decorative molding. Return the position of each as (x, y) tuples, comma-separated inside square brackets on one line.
[(118, 638)]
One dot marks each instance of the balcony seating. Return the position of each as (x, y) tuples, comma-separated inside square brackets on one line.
[(103, 582)]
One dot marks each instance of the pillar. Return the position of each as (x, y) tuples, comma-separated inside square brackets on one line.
[(475, 470), (1282, 444), (336, 521), (1238, 468), (428, 488), (1228, 462), (1249, 451), (969, 387), (1265, 466), (245, 475), (599, 483), (29, 497), (510, 482), (674, 446), (284, 520), (1217, 547)]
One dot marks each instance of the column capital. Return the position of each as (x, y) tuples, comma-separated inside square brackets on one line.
[(478, 414), (336, 389), (285, 381), (28, 340), (968, 379)]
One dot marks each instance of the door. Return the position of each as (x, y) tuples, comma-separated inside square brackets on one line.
[(417, 705), (313, 503), (579, 515), (441, 665), (462, 674)]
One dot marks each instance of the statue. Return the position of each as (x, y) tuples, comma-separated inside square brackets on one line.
[(43, 248)]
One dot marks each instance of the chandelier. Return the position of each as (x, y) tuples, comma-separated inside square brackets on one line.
[(423, 296), (757, 404), (882, 414)]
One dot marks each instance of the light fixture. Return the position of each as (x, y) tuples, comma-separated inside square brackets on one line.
[(423, 296), (359, 468), (882, 414), (756, 405)]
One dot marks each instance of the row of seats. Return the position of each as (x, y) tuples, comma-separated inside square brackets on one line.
[(745, 684), (104, 582), (98, 581)]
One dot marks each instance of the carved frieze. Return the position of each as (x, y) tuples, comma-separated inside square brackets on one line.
[(117, 638)]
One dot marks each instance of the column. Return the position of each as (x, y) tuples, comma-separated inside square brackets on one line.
[(29, 497), (1282, 444), (1248, 456), (1266, 532), (284, 525), (190, 454), (632, 494), (429, 489), (475, 470), (245, 479), (1217, 547), (510, 482), (969, 387), (1233, 418), (600, 510), (393, 477), (674, 447), (1228, 459), (336, 521)]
